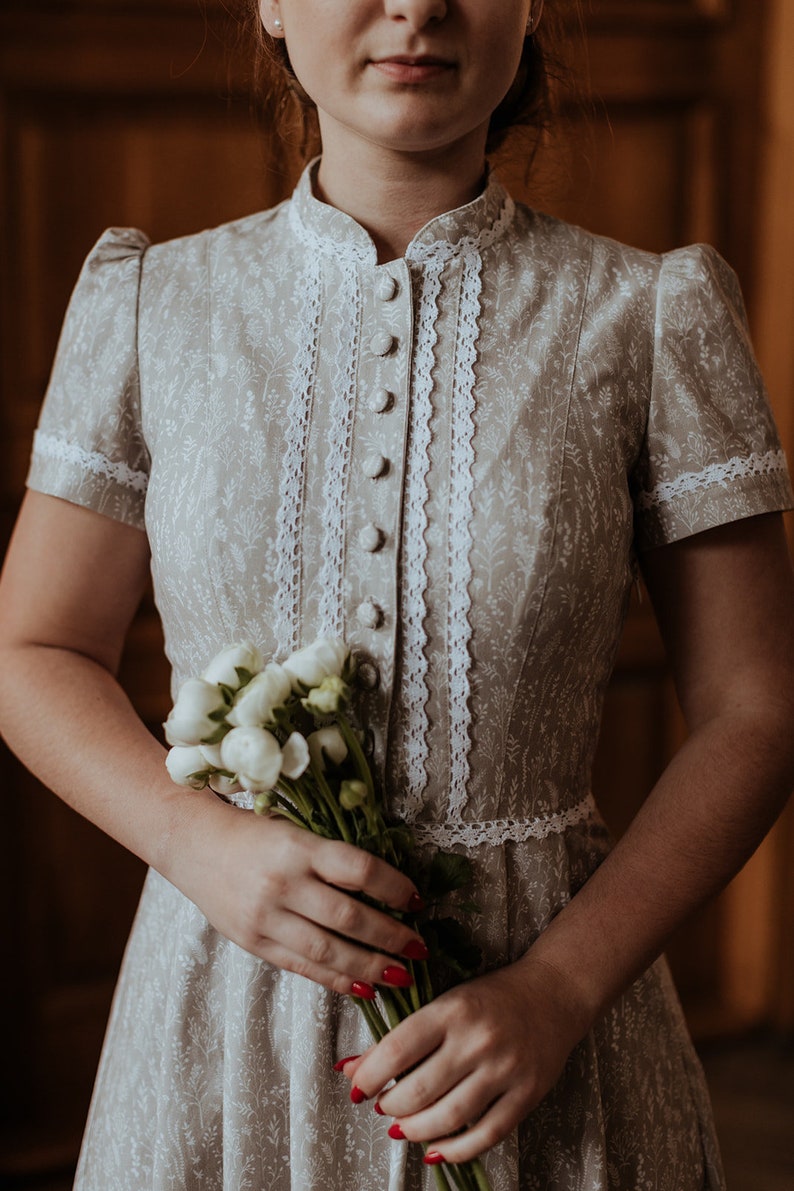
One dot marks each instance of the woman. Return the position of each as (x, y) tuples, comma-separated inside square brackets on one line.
[(401, 408)]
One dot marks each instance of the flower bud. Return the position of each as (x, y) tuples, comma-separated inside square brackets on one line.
[(326, 742), (352, 794), (254, 755), (255, 704), (308, 667), (189, 721), (263, 801), (331, 695), (224, 666), (187, 767)]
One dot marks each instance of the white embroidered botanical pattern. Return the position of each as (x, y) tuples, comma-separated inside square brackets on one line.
[(49, 446), (337, 463), (556, 400), (714, 475)]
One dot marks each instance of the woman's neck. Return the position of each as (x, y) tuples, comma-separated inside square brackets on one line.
[(393, 195)]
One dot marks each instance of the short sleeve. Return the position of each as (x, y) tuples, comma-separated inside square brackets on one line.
[(711, 453), (89, 446)]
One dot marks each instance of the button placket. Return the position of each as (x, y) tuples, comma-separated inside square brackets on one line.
[(379, 446)]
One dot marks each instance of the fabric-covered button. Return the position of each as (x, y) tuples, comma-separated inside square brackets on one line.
[(369, 614), (367, 676), (380, 400), (374, 465), (387, 287), (370, 538), (381, 343)]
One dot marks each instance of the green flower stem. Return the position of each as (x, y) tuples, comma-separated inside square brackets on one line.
[(357, 753), (480, 1177), (333, 806), (441, 1179), (282, 810), (373, 1018)]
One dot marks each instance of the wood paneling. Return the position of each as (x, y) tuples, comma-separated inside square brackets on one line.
[(122, 112)]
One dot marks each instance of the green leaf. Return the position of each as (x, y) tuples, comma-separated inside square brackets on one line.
[(217, 736), (218, 715), (244, 675), (448, 871)]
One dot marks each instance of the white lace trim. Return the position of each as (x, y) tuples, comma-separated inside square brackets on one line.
[(494, 832), (459, 538), (414, 580), (49, 446), (290, 512), (475, 833), (735, 468), (440, 251), (337, 463)]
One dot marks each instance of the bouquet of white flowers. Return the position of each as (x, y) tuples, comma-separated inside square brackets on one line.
[(277, 737)]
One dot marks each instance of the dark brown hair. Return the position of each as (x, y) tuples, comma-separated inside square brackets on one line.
[(529, 105)]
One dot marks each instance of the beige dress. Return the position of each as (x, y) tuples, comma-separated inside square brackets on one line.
[(451, 459)]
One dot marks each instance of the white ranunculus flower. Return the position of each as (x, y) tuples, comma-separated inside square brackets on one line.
[(222, 784), (187, 766), (188, 721), (254, 755), (223, 667), (328, 740), (311, 665), (295, 756), (255, 703), (212, 755)]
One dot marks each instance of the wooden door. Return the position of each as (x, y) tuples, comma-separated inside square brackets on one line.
[(115, 112)]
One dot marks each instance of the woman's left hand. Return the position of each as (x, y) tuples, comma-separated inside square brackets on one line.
[(483, 1055)]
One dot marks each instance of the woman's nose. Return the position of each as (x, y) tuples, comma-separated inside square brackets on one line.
[(417, 13)]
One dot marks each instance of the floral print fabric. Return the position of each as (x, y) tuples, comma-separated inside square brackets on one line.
[(452, 459)]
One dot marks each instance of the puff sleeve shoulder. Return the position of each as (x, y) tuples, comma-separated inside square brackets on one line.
[(89, 446), (711, 453)]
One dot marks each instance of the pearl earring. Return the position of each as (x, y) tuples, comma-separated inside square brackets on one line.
[(277, 23)]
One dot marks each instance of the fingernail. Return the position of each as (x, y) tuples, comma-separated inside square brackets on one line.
[(415, 950), (357, 1096), (433, 1158), (378, 1109), (338, 1066), (399, 977), (415, 904), (396, 1132), (360, 988)]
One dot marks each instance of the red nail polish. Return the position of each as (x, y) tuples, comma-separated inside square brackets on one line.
[(415, 904), (378, 1109), (415, 950), (360, 988), (396, 1132), (357, 1096), (398, 977), (340, 1064), (433, 1158)]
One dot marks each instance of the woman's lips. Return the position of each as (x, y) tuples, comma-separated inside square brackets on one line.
[(411, 70)]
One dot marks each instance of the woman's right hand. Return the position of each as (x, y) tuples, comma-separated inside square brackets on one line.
[(284, 894)]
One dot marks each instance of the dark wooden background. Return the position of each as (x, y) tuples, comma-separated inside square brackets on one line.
[(117, 113)]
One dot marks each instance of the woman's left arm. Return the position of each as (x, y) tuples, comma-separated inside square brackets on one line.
[(488, 1051)]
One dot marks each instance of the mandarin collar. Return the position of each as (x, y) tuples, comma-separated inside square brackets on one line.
[(327, 230)]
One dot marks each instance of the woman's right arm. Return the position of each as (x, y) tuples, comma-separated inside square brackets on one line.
[(70, 587)]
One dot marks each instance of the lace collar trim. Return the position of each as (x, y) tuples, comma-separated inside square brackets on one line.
[(326, 230)]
